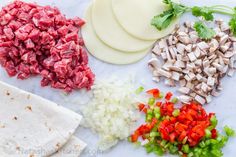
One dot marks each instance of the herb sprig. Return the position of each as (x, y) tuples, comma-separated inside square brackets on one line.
[(203, 31), (164, 20), (176, 10)]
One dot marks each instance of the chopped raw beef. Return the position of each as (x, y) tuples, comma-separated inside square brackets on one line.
[(37, 40)]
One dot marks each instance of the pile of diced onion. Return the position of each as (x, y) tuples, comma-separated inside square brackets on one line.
[(112, 112)]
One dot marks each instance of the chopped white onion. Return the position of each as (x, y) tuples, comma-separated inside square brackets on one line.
[(112, 112)]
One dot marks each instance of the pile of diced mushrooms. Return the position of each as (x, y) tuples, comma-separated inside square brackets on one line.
[(196, 65)]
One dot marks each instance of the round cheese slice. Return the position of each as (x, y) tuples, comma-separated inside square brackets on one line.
[(110, 31), (103, 52), (135, 17)]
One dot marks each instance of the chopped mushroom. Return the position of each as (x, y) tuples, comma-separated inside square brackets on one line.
[(191, 56), (213, 45), (164, 73), (156, 79), (223, 39), (185, 98), (184, 90), (203, 45), (154, 63), (197, 65), (175, 76), (200, 99)]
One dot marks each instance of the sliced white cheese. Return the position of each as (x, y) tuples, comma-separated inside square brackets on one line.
[(110, 32), (135, 16), (103, 52)]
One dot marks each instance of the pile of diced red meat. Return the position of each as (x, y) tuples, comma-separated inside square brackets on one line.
[(37, 40)]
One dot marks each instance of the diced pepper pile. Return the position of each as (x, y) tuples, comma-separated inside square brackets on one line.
[(187, 131)]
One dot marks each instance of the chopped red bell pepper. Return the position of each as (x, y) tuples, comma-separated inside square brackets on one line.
[(164, 134), (188, 127), (145, 110), (182, 135), (172, 137), (154, 92), (158, 104), (168, 96), (154, 122), (184, 155), (134, 138), (214, 133), (141, 107)]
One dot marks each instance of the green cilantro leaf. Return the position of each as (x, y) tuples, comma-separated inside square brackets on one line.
[(178, 9), (203, 31), (232, 24), (163, 20), (205, 12), (175, 10), (167, 1)]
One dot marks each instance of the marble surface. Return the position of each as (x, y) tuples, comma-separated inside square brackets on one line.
[(224, 105)]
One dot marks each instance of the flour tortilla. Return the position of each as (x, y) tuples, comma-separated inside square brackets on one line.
[(135, 17), (31, 125), (101, 51), (110, 32), (73, 148)]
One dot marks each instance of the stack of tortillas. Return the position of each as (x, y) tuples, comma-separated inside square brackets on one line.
[(120, 31), (31, 126)]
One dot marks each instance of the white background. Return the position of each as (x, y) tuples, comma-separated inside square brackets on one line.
[(224, 105)]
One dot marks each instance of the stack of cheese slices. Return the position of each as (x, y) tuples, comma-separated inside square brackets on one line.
[(119, 31)]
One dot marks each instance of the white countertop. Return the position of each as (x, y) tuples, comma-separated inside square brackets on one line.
[(224, 105)]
